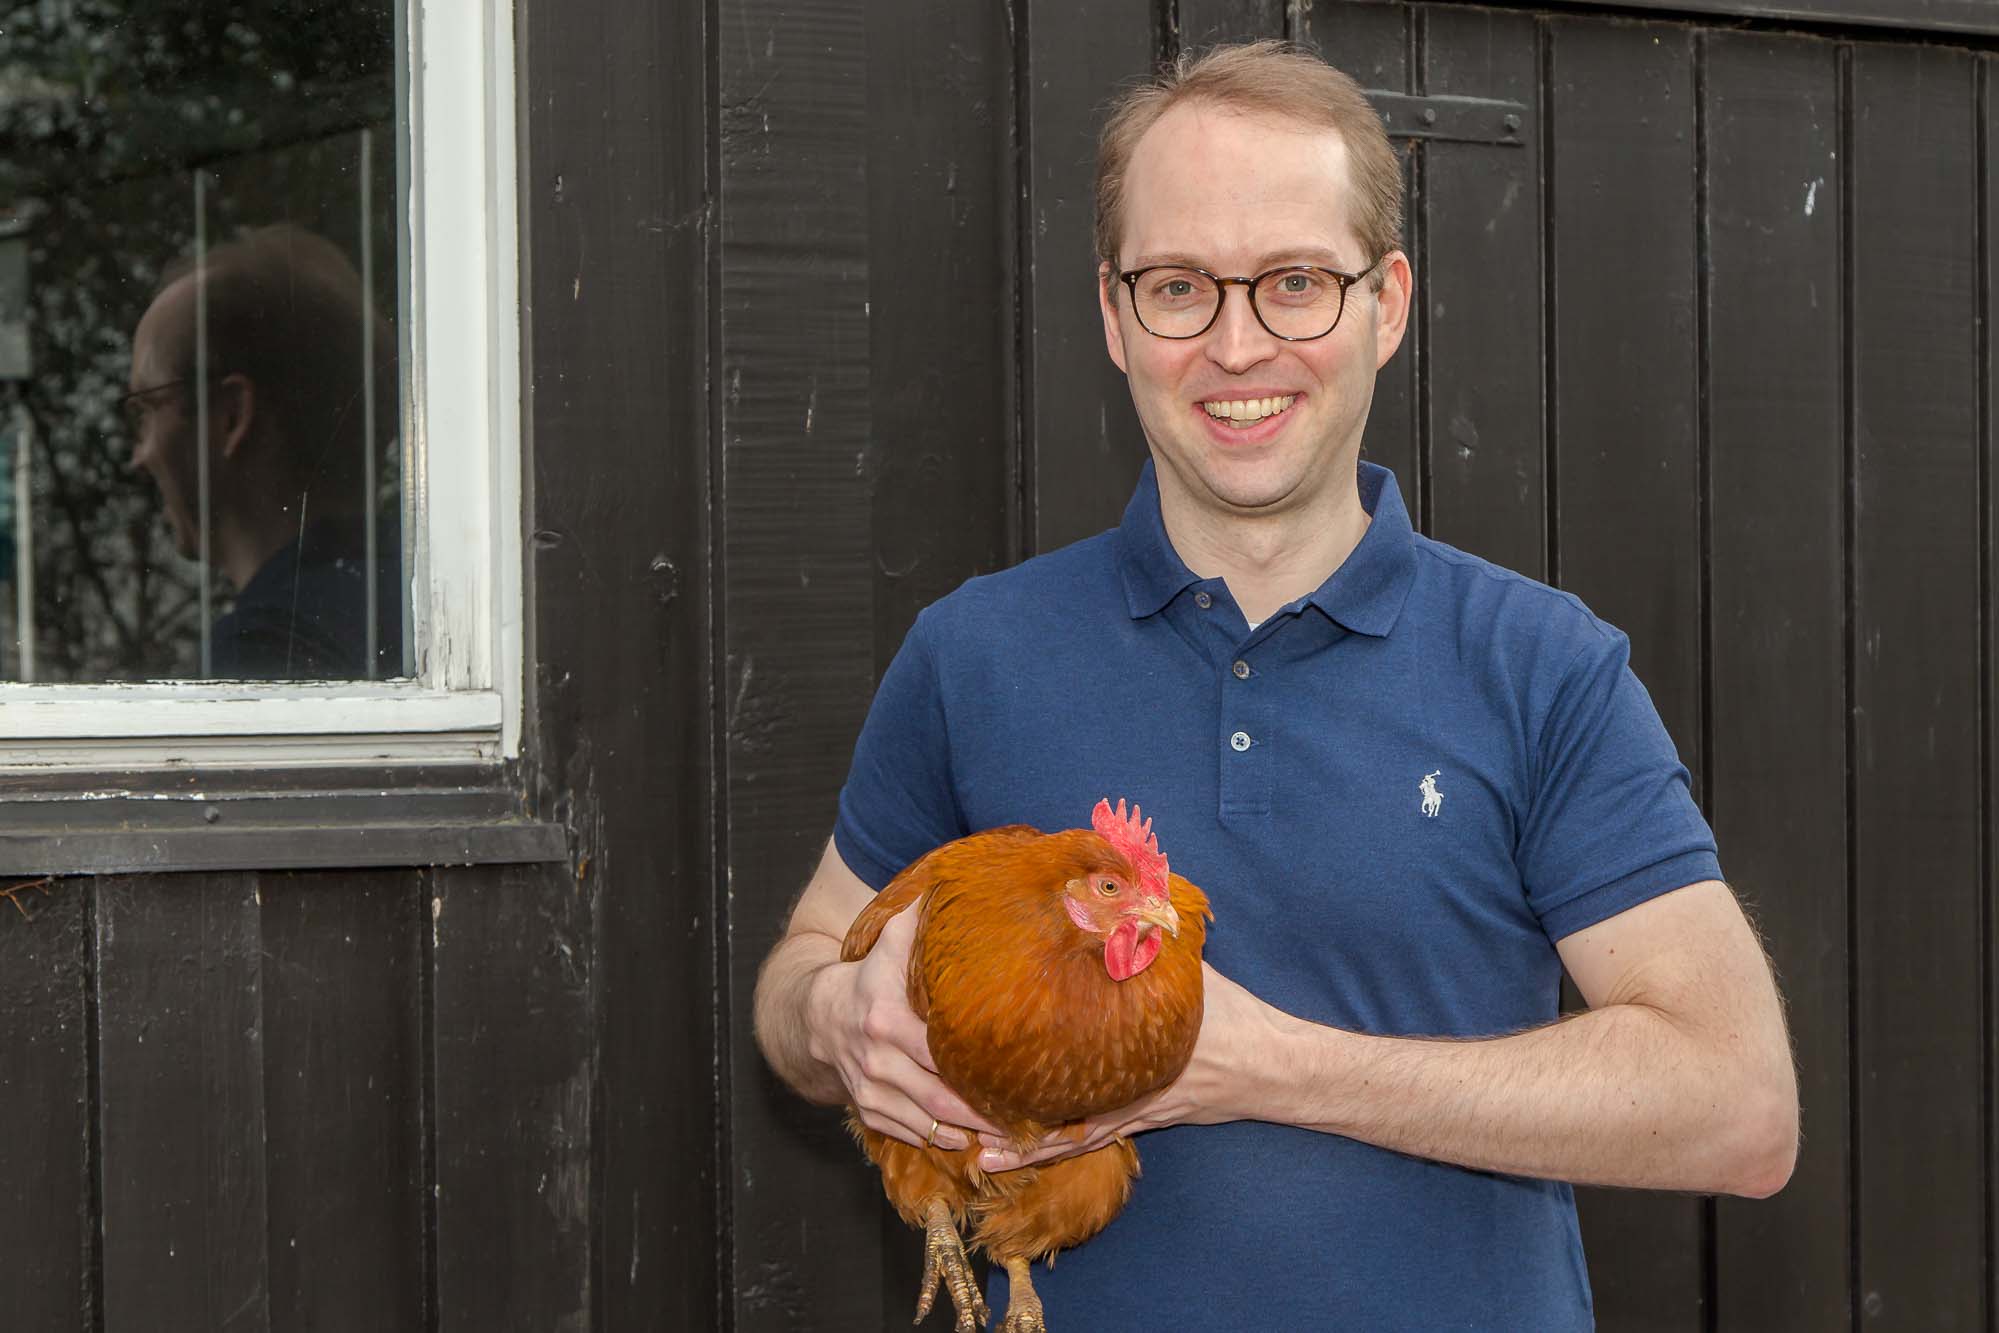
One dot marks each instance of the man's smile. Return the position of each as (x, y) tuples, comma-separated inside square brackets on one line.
[(1246, 412)]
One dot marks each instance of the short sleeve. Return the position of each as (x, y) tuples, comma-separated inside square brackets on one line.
[(1613, 821), (899, 801)]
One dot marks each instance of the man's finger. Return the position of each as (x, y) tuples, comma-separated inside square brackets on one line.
[(930, 1092)]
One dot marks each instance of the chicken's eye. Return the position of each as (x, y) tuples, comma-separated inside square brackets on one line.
[(1108, 888)]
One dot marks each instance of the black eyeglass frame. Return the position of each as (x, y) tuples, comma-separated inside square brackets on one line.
[(1130, 277), (126, 401)]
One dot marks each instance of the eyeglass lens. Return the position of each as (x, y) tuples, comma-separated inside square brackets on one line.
[(1291, 302)]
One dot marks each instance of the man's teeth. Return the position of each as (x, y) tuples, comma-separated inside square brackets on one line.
[(1247, 411)]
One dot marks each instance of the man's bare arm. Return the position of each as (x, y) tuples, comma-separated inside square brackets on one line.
[(844, 1032), (1679, 1076)]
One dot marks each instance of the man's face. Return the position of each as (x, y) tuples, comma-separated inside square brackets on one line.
[(163, 427), (1239, 195)]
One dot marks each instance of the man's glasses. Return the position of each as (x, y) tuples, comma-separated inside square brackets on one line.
[(1297, 303), (137, 405)]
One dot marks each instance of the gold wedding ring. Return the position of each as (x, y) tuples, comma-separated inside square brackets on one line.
[(932, 1134)]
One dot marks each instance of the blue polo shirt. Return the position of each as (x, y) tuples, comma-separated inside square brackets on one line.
[(1398, 792)]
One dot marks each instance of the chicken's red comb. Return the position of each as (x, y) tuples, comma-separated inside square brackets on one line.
[(1134, 842)]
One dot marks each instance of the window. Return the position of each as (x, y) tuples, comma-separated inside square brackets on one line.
[(257, 505)]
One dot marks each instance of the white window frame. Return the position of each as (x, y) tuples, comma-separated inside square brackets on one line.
[(463, 472)]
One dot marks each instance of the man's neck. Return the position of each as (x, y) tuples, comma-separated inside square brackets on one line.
[(1267, 560)]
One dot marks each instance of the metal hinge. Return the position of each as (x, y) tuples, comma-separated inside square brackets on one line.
[(1459, 119)]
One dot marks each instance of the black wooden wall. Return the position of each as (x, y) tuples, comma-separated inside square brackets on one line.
[(808, 339)]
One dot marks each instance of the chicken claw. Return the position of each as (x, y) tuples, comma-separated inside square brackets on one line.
[(1023, 1307), (944, 1257)]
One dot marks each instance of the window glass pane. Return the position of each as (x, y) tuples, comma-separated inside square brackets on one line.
[(200, 397)]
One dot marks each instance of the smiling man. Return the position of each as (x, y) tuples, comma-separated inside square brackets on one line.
[(1416, 787)]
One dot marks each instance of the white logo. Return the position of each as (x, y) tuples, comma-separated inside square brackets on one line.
[(1433, 800)]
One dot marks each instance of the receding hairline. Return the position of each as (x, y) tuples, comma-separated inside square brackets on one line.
[(1301, 127)]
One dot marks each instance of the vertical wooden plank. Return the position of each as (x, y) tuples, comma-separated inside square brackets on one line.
[(47, 1230), (1621, 119), (343, 1098), (1915, 688), (513, 1082), (797, 613), (1776, 486), (1206, 23), (1371, 42), (618, 209), (1988, 674), (181, 1086), (941, 329), (1481, 290), (942, 268), (1084, 446)]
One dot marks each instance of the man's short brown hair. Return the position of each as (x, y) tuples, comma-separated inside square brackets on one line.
[(1268, 78)]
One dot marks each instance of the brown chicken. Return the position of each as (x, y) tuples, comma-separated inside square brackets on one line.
[(1059, 977)]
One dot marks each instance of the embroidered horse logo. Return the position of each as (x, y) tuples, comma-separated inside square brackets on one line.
[(1433, 800)]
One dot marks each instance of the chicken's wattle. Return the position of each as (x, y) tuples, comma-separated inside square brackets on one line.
[(1127, 953)]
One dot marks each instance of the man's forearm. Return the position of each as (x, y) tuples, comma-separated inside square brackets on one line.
[(1618, 1095), (783, 1015)]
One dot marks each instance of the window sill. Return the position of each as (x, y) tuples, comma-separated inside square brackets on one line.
[(140, 831)]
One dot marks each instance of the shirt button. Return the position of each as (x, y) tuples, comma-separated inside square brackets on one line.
[(1239, 742), (1203, 601), (1241, 670)]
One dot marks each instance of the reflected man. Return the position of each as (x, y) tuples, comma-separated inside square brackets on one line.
[(284, 372)]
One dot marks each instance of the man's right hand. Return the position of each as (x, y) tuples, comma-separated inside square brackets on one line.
[(861, 1024), (844, 1032)]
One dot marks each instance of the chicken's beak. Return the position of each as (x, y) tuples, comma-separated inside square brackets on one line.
[(1161, 914)]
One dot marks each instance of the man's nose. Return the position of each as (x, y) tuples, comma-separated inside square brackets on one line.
[(1239, 340)]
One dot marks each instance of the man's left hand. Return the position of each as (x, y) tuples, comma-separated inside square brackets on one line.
[(1208, 1092)]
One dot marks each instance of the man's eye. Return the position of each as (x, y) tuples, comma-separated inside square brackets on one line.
[(1179, 287)]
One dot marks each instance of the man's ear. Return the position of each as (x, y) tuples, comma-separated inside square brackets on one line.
[(1107, 300), (232, 412), (1391, 315)]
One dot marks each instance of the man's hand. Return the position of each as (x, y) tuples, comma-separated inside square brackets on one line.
[(1232, 1022), (860, 1024)]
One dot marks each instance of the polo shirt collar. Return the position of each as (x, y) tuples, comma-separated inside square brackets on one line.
[(1365, 594)]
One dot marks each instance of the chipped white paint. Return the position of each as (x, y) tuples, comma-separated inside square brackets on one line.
[(1812, 195), (463, 428)]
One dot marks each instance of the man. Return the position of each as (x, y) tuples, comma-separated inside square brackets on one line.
[(1416, 788), (285, 505)]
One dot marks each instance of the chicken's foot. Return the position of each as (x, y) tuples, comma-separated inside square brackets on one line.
[(944, 1257), (1023, 1307)]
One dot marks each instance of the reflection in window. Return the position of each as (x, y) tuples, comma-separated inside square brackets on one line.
[(200, 400)]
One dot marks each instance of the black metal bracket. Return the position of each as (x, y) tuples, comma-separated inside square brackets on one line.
[(1458, 119)]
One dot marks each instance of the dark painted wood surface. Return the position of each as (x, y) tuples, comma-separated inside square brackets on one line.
[(343, 1072), (1915, 687), (1773, 184), (48, 1227), (180, 1010), (1938, 16), (1620, 127), (1481, 291), (1988, 113), (618, 205), (796, 605), (512, 1082)]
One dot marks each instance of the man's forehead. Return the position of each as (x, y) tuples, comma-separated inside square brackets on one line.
[(1207, 175)]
